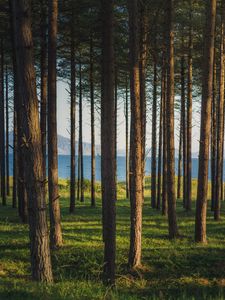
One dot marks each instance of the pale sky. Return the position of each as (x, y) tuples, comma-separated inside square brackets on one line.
[(63, 112)]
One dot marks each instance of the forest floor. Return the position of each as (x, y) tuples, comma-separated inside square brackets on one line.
[(179, 269)]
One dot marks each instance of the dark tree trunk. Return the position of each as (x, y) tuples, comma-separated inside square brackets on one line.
[(27, 103), (184, 131), (15, 150), (213, 136), (116, 112), (127, 142), (81, 138), (108, 143), (44, 82), (173, 230), (179, 161), (159, 188), (154, 139), (136, 142), (220, 122), (72, 117), (2, 127), (7, 131), (92, 123), (189, 114), (54, 206), (207, 79)]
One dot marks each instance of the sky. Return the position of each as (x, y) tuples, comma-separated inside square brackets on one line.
[(63, 115)]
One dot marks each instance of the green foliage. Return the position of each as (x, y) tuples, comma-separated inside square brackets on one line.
[(177, 269)]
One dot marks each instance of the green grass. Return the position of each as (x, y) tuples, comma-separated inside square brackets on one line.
[(177, 269)]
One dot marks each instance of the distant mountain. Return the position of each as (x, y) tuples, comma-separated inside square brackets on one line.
[(64, 147)]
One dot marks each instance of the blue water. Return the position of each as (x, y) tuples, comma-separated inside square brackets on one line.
[(64, 167)]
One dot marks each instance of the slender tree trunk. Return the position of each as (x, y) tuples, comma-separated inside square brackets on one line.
[(207, 79), (54, 206), (30, 126), (213, 136), (116, 112), (7, 131), (184, 131), (108, 143), (159, 188), (179, 161), (189, 113), (92, 123), (81, 138), (2, 120), (44, 85), (220, 122), (164, 182), (79, 169), (142, 66), (173, 230), (136, 142), (154, 139), (127, 141), (72, 118)]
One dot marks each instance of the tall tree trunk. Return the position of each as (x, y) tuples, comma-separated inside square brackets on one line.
[(127, 141), (2, 120), (72, 117), (213, 136), (108, 143), (173, 230), (184, 131), (142, 66), (92, 122), (44, 83), (136, 154), (7, 131), (154, 139), (179, 160), (30, 126), (220, 123), (207, 79), (159, 188), (81, 137), (164, 182), (189, 113), (116, 113), (54, 206)]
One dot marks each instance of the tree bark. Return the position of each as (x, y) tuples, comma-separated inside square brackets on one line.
[(54, 206), (108, 143), (189, 113), (7, 131), (27, 103), (220, 122), (127, 141), (207, 79), (179, 160), (136, 142), (81, 137), (173, 230)]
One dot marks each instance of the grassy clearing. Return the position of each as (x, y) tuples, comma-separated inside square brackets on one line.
[(177, 269)]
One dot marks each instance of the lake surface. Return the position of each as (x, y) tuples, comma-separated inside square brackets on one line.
[(64, 167)]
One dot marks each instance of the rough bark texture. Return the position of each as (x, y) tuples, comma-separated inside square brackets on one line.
[(31, 149), (108, 143), (54, 206), (207, 79), (189, 113), (72, 117), (44, 82), (220, 122), (173, 230), (136, 168), (179, 161), (7, 131), (15, 152)]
